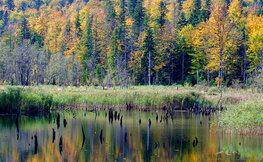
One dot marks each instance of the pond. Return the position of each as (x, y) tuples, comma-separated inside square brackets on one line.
[(133, 136)]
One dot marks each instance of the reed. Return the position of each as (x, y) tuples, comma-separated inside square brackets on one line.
[(16, 100), (44, 98), (243, 118)]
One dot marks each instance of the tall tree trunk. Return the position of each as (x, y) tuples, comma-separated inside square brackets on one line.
[(197, 77), (208, 78), (126, 69), (28, 77), (10, 52), (125, 58), (245, 62), (101, 81), (261, 66), (74, 71), (149, 69), (220, 75), (93, 67), (183, 68), (93, 63), (257, 82)]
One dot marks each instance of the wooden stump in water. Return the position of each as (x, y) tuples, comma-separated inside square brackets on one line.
[(83, 141), (58, 121), (119, 116), (36, 144), (101, 132), (121, 121), (65, 123), (53, 135), (110, 115), (150, 122), (195, 142), (115, 115), (60, 145), (125, 137)]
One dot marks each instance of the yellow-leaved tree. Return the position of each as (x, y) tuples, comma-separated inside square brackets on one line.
[(222, 39), (184, 40), (199, 59), (255, 40), (255, 51)]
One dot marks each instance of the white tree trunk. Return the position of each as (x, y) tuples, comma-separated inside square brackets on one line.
[(183, 68), (149, 69), (197, 77)]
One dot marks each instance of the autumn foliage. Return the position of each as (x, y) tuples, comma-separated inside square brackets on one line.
[(124, 42)]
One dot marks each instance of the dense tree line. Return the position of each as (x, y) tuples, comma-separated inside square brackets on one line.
[(131, 42)]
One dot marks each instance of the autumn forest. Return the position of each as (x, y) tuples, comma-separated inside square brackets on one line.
[(131, 42), (131, 80)]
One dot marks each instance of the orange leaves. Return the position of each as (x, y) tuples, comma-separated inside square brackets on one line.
[(129, 21), (135, 59), (160, 65), (187, 5)]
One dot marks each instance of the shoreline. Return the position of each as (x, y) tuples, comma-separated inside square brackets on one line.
[(168, 98)]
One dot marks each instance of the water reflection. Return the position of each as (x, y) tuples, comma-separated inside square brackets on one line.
[(133, 136)]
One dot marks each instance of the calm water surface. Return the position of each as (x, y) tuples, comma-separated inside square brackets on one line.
[(90, 136)]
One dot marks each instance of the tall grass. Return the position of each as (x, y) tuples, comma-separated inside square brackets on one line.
[(10, 101), (43, 98), (245, 117), (138, 98), (15, 100)]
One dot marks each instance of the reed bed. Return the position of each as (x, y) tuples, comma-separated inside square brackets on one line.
[(44, 98)]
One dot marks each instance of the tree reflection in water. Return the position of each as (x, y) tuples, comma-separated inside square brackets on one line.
[(132, 136)]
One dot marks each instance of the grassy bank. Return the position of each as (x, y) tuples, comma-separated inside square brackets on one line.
[(244, 113), (16, 100), (44, 98), (243, 118)]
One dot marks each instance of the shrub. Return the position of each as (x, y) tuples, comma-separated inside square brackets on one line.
[(213, 91)]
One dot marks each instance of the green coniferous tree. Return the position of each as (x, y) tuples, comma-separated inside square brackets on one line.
[(77, 26), (70, 1), (10, 4), (138, 17), (38, 4), (205, 13), (5, 18), (24, 32), (194, 18), (147, 60), (22, 6), (182, 20), (110, 14), (87, 44), (68, 28), (163, 10), (114, 52), (131, 6), (37, 38)]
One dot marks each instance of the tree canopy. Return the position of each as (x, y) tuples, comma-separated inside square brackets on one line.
[(125, 42)]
